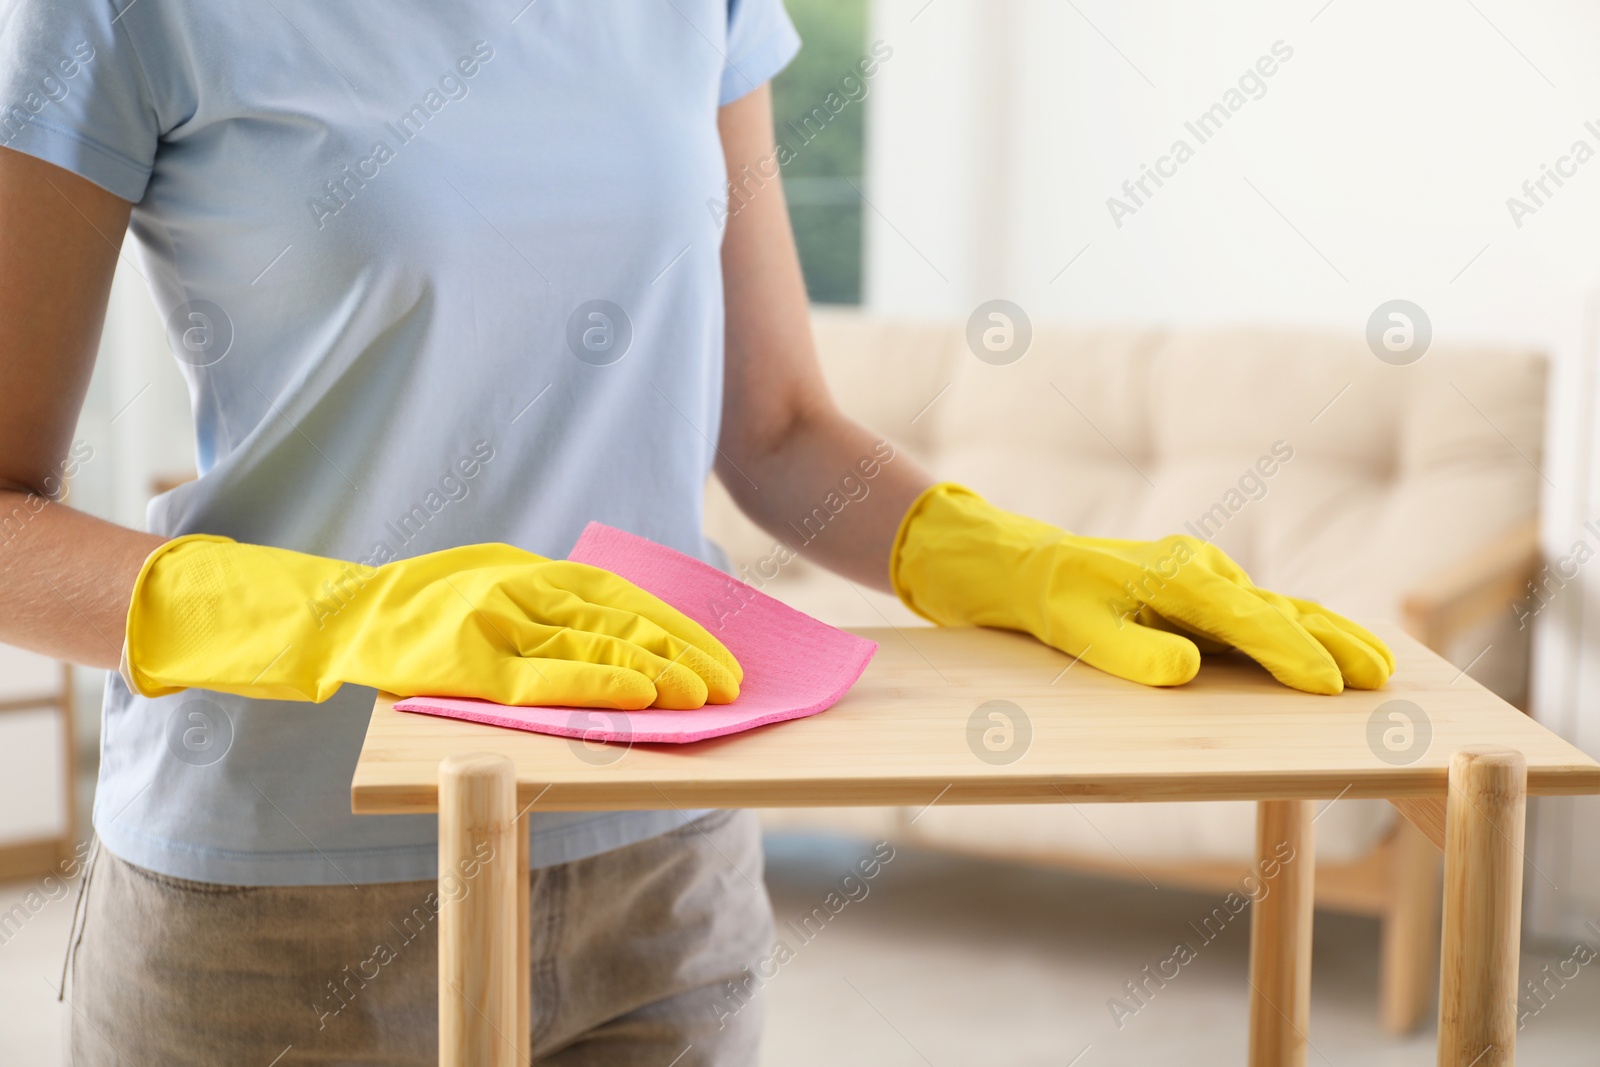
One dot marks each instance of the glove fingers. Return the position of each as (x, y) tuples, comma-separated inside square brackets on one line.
[(601, 588), (1365, 662), (1148, 616), (1224, 611), (1139, 653), (563, 672), (525, 682), (575, 683), (715, 682), (1356, 630), (677, 686), (1361, 664), (522, 615)]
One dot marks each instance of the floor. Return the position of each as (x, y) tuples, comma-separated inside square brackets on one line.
[(949, 961), (939, 961)]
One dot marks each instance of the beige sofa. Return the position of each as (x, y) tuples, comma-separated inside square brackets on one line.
[(1397, 492)]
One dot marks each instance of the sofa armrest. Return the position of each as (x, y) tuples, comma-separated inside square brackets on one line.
[(1466, 593)]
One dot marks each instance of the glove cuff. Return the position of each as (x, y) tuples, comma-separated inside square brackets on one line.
[(899, 580), (256, 621), (958, 560), (138, 624)]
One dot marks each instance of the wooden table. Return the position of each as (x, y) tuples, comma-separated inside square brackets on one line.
[(909, 733)]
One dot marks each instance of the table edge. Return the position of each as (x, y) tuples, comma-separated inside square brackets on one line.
[(373, 798)]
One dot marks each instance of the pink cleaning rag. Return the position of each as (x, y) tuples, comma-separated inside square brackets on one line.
[(794, 666)]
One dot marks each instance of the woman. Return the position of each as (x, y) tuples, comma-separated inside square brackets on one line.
[(447, 283)]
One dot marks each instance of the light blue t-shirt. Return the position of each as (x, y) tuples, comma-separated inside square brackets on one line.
[(436, 274)]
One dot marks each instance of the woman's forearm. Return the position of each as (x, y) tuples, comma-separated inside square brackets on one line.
[(818, 482), (831, 491), (65, 577), (68, 578)]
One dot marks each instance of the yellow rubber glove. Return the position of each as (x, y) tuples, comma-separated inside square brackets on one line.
[(488, 621), (1131, 608)]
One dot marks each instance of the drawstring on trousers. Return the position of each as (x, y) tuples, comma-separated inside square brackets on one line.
[(75, 931)]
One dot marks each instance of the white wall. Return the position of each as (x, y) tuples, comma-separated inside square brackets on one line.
[(1376, 165), (1391, 140)]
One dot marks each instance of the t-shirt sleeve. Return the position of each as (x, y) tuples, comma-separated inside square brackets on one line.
[(73, 93), (761, 42)]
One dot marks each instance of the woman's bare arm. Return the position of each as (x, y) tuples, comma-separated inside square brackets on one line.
[(786, 450), (65, 577)]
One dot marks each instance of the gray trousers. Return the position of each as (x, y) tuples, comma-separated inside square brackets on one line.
[(639, 958)]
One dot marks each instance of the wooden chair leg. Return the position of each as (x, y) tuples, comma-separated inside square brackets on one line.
[(1280, 933), (478, 923), (1482, 908), (1410, 951)]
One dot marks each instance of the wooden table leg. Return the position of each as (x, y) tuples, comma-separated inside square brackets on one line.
[(524, 949), (1280, 933), (1410, 942), (1482, 908), (478, 924)]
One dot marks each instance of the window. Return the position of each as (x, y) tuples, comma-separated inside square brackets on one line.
[(822, 168)]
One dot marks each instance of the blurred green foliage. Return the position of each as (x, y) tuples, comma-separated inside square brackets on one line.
[(825, 210)]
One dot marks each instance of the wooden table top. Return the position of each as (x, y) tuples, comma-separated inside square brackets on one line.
[(918, 728)]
